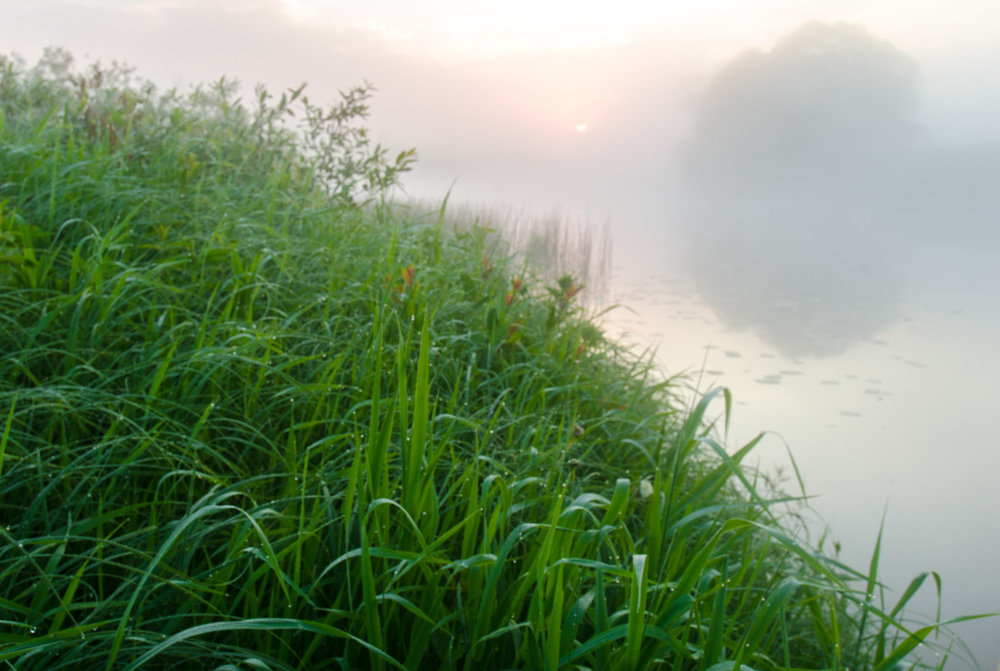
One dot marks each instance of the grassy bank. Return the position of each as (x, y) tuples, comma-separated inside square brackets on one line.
[(253, 418)]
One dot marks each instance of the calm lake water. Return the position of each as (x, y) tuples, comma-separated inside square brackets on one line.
[(902, 419)]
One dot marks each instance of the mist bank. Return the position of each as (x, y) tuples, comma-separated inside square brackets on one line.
[(809, 185)]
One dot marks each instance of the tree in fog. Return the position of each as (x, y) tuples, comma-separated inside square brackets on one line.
[(792, 182), (824, 119)]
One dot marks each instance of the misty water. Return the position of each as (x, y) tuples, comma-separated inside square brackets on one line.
[(809, 246), (900, 421)]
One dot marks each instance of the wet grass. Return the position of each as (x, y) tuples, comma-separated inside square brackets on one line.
[(253, 418)]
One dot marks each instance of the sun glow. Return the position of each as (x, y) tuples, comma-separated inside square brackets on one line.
[(299, 11), (581, 127)]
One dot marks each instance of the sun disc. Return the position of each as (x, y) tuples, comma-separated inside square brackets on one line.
[(580, 127)]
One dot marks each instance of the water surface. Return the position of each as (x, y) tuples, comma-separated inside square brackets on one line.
[(900, 421)]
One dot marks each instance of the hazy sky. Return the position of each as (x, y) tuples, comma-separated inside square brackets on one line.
[(489, 74)]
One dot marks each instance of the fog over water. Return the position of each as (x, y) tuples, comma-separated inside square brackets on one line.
[(810, 186), (804, 198)]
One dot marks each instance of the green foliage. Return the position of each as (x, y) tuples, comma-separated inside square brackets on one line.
[(249, 422)]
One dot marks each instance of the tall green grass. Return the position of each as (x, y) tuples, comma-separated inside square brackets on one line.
[(253, 418)]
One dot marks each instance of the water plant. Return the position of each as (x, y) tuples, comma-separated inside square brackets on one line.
[(250, 418)]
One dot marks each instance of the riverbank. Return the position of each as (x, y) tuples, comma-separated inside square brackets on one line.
[(254, 416)]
